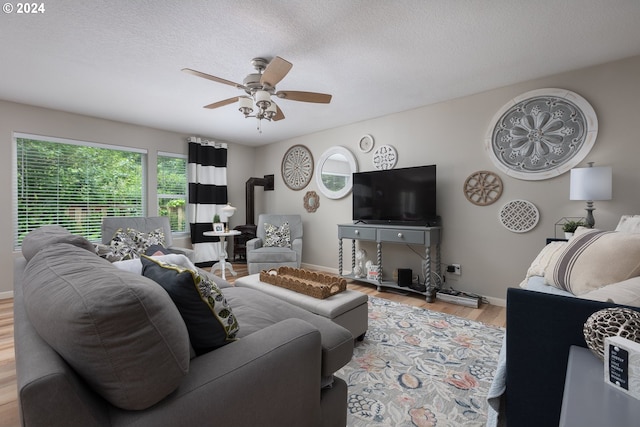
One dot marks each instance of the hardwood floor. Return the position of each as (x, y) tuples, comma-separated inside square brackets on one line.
[(488, 314)]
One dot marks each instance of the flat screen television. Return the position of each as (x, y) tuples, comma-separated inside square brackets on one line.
[(403, 196)]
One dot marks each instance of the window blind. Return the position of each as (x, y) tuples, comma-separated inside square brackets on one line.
[(172, 189), (74, 184)]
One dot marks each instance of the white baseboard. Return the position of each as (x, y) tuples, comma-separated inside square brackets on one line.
[(6, 295), (501, 302)]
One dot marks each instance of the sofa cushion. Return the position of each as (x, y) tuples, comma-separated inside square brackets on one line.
[(594, 259), (121, 332), (277, 236), (208, 316), (257, 310), (49, 234)]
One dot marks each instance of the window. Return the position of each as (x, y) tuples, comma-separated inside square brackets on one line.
[(172, 189), (74, 184)]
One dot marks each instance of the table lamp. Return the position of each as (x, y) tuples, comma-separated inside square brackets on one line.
[(589, 184), (228, 212)]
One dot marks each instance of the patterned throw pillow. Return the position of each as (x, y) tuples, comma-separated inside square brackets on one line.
[(277, 236), (131, 243), (144, 240), (122, 246), (208, 316)]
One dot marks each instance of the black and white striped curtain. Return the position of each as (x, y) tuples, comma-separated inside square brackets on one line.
[(207, 174)]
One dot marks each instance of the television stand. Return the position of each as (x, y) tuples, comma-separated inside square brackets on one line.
[(427, 236)]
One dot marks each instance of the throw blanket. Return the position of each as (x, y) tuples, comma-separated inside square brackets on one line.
[(495, 396)]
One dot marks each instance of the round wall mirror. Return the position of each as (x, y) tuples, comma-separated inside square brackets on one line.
[(334, 172)]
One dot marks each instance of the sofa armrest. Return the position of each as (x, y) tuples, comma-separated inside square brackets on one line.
[(268, 378), (540, 330), (49, 392), (254, 244), (189, 253), (296, 245)]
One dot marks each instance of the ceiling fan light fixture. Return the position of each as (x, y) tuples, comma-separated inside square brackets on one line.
[(270, 111), (263, 99), (245, 105)]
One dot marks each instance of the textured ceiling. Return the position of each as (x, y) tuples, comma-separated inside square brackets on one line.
[(121, 59)]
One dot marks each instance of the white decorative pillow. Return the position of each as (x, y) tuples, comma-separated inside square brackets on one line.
[(277, 236), (629, 224), (595, 259), (626, 292), (547, 256)]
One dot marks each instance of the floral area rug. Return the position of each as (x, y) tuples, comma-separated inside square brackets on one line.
[(422, 368)]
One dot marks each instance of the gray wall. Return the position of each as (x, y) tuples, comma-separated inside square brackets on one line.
[(41, 121), (451, 134)]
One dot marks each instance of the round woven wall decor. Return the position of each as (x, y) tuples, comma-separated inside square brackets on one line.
[(483, 188), (519, 216)]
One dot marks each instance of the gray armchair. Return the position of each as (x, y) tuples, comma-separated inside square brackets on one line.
[(261, 257), (146, 224)]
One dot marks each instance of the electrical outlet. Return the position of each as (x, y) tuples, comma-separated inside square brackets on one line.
[(456, 269)]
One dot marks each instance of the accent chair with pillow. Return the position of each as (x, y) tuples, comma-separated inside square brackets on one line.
[(278, 243), (144, 227)]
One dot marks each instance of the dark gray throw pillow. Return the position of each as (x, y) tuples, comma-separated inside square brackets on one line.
[(204, 309)]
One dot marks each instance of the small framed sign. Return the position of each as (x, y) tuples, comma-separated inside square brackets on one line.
[(622, 365)]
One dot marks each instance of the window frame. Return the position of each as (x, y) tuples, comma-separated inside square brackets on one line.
[(186, 188), (67, 141)]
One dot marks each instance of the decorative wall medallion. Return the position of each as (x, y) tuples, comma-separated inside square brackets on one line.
[(541, 134), (519, 216), (311, 201), (297, 167), (385, 157), (366, 143), (482, 188)]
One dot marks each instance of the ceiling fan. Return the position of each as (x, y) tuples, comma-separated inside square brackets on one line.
[(260, 87)]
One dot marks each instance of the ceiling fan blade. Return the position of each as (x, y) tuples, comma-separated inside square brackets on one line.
[(279, 114), (293, 95), (222, 103), (213, 78), (275, 71)]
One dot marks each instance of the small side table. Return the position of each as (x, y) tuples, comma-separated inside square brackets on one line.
[(222, 265), (590, 402)]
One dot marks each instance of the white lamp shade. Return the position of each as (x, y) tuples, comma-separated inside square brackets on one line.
[(592, 183), (245, 103), (263, 98)]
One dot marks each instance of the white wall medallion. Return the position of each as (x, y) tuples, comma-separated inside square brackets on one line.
[(541, 134), (483, 188), (519, 216), (297, 167), (385, 157), (366, 143)]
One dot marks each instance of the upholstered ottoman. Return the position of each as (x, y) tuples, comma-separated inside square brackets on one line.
[(348, 308)]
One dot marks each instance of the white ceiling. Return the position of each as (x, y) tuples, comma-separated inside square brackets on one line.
[(121, 59)]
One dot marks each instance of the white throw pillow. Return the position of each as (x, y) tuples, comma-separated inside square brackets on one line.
[(594, 259)]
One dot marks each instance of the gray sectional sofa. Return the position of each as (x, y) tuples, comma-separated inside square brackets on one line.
[(99, 346)]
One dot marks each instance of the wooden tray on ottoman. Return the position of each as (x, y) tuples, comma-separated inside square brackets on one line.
[(312, 283)]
